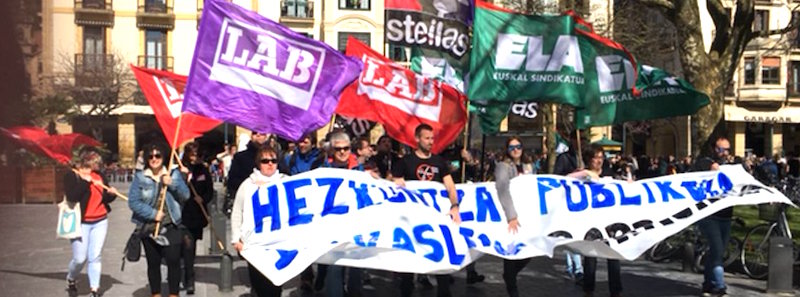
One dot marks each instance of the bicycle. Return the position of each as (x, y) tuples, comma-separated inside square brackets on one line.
[(669, 248), (755, 247)]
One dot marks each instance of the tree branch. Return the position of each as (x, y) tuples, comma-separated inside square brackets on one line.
[(722, 24), (665, 4)]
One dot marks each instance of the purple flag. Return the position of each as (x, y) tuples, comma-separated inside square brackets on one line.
[(253, 72)]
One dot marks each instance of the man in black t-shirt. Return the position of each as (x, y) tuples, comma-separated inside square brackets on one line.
[(424, 165)]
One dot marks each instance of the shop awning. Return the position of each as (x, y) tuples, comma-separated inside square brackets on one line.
[(781, 115)]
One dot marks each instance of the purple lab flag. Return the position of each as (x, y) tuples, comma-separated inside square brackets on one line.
[(253, 72)]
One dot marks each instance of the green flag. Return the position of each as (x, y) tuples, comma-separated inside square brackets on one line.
[(439, 65), (662, 95)]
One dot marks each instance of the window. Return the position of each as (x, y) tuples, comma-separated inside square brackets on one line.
[(771, 70), (155, 49), (155, 6), (363, 37), (794, 36), (309, 35), (94, 44), (749, 71), (397, 53), (297, 9), (793, 86), (354, 4), (761, 21)]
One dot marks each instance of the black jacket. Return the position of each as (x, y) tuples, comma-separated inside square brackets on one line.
[(77, 190), (192, 217), (242, 166), (704, 163), (566, 163)]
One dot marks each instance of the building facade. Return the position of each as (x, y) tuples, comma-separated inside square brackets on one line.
[(78, 35)]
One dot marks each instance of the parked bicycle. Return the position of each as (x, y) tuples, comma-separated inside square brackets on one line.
[(670, 247)]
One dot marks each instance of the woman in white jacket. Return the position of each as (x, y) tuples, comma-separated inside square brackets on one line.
[(266, 172)]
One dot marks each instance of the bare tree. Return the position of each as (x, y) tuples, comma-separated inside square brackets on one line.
[(97, 84)]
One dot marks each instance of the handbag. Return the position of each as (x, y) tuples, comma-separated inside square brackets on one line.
[(133, 248), (69, 220)]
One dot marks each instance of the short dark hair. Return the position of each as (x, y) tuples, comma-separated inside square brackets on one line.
[(263, 151), (190, 148), (589, 153), (422, 127)]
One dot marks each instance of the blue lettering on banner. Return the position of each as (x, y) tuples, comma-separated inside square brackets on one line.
[(571, 205), (698, 192), (459, 194), (625, 200), (484, 240), (413, 196), (485, 204), (432, 194), (600, 190), (666, 190), (362, 194), (402, 240), (552, 183), (373, 240), (725, 182), (266, 210), (396, 196), (467, 233), (650, 197), (498, 247), (437, 252), (454, 257), (330, 198), (295, 203), (286, 258)]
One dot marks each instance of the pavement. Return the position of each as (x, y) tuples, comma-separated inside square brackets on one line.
[(34, 263)]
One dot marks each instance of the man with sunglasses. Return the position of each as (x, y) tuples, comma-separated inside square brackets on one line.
[(717, 227), (422, 164)]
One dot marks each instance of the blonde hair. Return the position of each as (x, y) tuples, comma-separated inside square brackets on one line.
[(89, 158)]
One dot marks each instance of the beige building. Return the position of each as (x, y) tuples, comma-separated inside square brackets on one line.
[(161, 34)]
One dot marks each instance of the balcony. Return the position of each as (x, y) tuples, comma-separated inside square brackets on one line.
[(90, 69), (297, 12), (94, 13), (155, 15), (156, 62)]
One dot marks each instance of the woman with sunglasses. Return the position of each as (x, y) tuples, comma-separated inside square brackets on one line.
[(194, 218), (266, 172), (144, 194), (508, 168)]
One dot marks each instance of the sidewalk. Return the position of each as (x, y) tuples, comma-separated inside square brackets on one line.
[(33, 263)]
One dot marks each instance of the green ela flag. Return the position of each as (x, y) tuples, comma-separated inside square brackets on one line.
[(439, 65), (662, 96)]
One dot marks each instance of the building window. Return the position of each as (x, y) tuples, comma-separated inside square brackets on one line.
[(309, 35), (158, 6), (749, 71), (354, 4), (398, 53), (297, 9), (155, 49), (761, 21), (793, 85), (771, 70), (363, 37), (794, 36), (94, 44)]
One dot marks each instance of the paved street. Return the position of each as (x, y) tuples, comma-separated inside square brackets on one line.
[(33, 263)]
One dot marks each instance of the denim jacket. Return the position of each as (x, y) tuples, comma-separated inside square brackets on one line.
[(143, 197)]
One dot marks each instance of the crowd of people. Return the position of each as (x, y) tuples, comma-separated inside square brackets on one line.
[(170, 229)]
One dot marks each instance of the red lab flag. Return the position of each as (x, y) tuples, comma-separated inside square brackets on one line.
[(56, 147), (399, 99), (164, 92)]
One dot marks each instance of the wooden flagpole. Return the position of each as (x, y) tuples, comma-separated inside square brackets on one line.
[(466, 141), (578, 153), (120, 195), (164, 186)]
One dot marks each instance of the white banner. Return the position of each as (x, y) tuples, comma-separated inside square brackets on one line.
[(347, 218)]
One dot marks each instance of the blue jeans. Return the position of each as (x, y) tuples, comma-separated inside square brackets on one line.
[(574, 264), (717, 231), (88, 246)]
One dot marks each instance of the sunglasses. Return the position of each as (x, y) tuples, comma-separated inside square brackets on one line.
[(341, 149), (156, 156), (268, 161), (514, 147), (723, 149)]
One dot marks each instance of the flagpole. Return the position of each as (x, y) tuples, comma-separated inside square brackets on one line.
[(202, 208), (578, 153), (105, 187), (466, 141), (163, 197)]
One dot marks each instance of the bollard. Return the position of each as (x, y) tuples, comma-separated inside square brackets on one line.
[(781, 260), (687, 261), (225, 273)]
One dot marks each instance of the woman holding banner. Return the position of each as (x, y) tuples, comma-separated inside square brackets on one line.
[(85, 185), (145, 196), (594, 157), (266, 172), (510, 167)]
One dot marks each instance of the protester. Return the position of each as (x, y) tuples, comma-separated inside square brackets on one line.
[(145, 195), (594, 157), (717, 227), (566, 163), (342, 158), (363, 150), (226, 158), (242, 165), (511, 166), (85, 185), (265, 173), (194, 219), (385, 156), (423, 165)]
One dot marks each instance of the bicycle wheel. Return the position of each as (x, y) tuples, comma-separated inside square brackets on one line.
[(666, 248), (755, 252), (700, 260), (732, 251)]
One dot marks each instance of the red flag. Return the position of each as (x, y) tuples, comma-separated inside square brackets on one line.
[(164, 92), (396, 97), (56, 147)]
